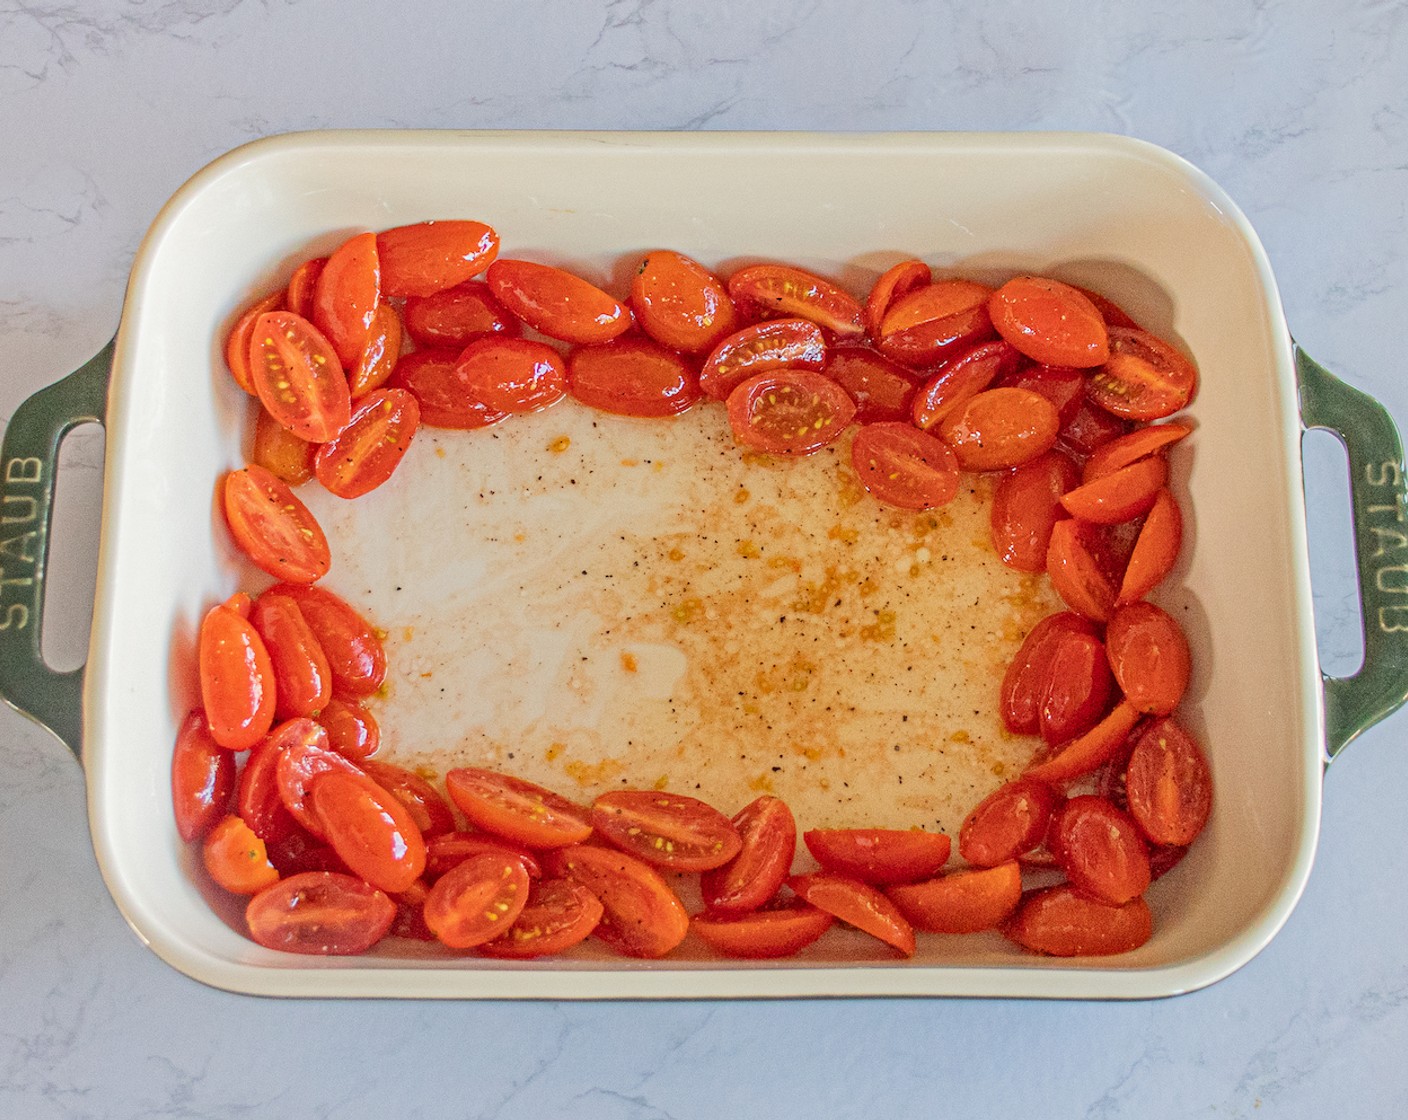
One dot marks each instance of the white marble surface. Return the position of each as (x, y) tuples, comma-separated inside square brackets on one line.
[(1299, 110)]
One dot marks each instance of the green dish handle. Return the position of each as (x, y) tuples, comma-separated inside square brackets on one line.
[(1378, 483), (28, 463)]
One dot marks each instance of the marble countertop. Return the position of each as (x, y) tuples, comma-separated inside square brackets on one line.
[(1299, 110)]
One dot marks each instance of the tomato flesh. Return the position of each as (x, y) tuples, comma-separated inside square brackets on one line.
[(367, 452), (273, 528), (1155, 551), (373, 368), (895, 282), (666, 829), (904, 467), (1169, 785), (449, 849), (1000, 428), (517, 809), (858, 904), (780, 343), (280, 452), (681, 304), (961, 901), (302, 754), (559, 914), (320, 912), (237, 341), (935, 322), (1010, 822), (641, 915), (789, 412), (1100, 849), (883, 390), (477, 901), (1149, 656), (957, 381), (432, 816), (787, 292), (1144, 377), (298, 376), (1026, 505), (1121, 495), (237, 859), (1024, 684), (1061, 922), (768, 836)]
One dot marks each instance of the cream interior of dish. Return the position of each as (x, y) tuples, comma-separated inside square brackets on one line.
[(595, 602)]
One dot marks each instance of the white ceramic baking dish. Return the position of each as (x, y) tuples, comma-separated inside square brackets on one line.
[(1111, 213)]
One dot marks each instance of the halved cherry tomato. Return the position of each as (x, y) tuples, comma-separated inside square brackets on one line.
[(1062, 922), (453, 318), (681, 304), (879, 856), (935, 322), (1024, 684), (769, 835), (894, 283), (1000, 428), (632, 377), (302, 679), (298, 376), (1121, 495), (641, 915), (320, 912), (303, 755), (513, 375), (560, 913), (1169, 785), (787, 292), (1075, 574), (346, 296), (1144, 379), (957, 381), (1100, 849), (789, 412), (777, 344), (961, 901), (1063, 386), (379, 357), (1156, 550), (273, 528), (202, 778), (1050, 322), (883, 390), (280, 452), (353, 732), (517, 809), (1076, 689), (434, 379), (432, 816), (903, 466), (1090, 428), (353, 649), (1132, 447), (557, 303), (258, 801), (1026, 505), (421, 259), (449, 849), (237, 342), (858, 904), (301, 285), (763, 934), (369, 827), (236, 679), (299, 850), (1149, 656), (667, 829), (1009, 822), (1090, 751), (367, 452), (237, 859)]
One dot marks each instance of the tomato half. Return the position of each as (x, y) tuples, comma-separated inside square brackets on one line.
[(258, 801), (418, 260), (883, 390), (303, 754), (1076, 690), (1009, 822), (632, 377), (1149, 656), (237, 859), (961, 901), (298, 376), (1075, 573), (449, 849), (777, 344), (1155, 551), (1063, 386), (369, 828), (433, 377), (353, 732), (319, 912), (1168, 784), (789, 412), (935, 322), (1050, 322), (237, 341), (560, 914), (894, 283), (641, 915), (453, 318), (1024, 684), (681, 304), (1121, 495), (513, 375), (763, 934), (904, 467), (960, 379), (1099, 848), (1062, 922), (202, 778), (280, 452), (879, 856), (302, 678), (273, 528), (1132, 447), (236, 679), (1026, 505), (557, 303), (1090, 429), (1000, 428), (298, 297), (784, 291), (432, 816), (1144, 379), (367, 452), (667, 829), (858, 904), (353, 648), (517, 809), (379, 357), (346, 296), (769, 841)]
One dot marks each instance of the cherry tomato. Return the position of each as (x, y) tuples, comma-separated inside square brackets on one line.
[(632, 377), (1099, 848), (301, 285), (353, 649), (1062, 922), (879, 856), (432, 816), (1075, 574), (237, 342), (352, 730), (903, 466), (858, 904), (367, 452), (789, 412), (273, 528), (883, 390), (258, 801), (1009, 822), (1149, 656), (299, 851), (320, 912), (1132, 447), (957, 381), (421, 259), (303, 754), (641, 915), (1089, 429), (1090, 751), (410, 913), (513, 375), (280, 452), (681, 304), (516, 809), (202, 778), (787, 292), (667, 829), (237, 859), (1077, 687), (560, 914), (1026, 505), (935, 322), (961, 901), (1063, 386), (763, 934), (1113, 314), (1169, 785), (1024, 684), (453, 318), (1155, 551), (1050, 322), (236, 679), (780, 343), (1144, 379), (302, 679), (298, 376), (449, 849), (894, 283), (1000, 428), (369, 828), (557, 303), (374, 366), (769, 841), (346, 296), (433, 377), (1122, 495)]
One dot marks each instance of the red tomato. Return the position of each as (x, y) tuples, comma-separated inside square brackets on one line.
[(236, 679), (632, 377), (1009, 822), (557, 303), (1050, 322), (302, 679), (1122, 495), (352, 730), (956, 382), (422, 259), (1169, 785), (258, 801), (369, 828), (410, 913), (320, 912), (1113, 314), (346, 296), (516, 809), (560, 913), (453, 318), (1076, 690), (353, 649), (1144, 379), (237, 859), (298, 376), (433, 377), (280, 452), (935, 322), (1063, 386), (379, 357), (756, 874), (667, 829), (858, 904), (301, 285), (641, 915), (894, 283), (202, 778), (763, 934), (903, 466), (237, 342), (789, 412), (1088, 753), (680, 304), (1149, 656), (273, 528), (299, 851), (513, 375), (449, 849), (303, 754), (961, 901), (1090, 429), (778, 344), (1062, 922), (879, 856), (1026, 506), (787, 292), (1156, 550), (1024, 684), (1099, 848), (1076, 575), (1000, 428), (367, 452), (883, 390), (432, 816), (1132, 447)]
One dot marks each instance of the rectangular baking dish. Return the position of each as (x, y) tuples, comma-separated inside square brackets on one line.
[(1110, 213)]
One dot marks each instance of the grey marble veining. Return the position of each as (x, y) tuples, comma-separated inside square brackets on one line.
[(1299, 110)]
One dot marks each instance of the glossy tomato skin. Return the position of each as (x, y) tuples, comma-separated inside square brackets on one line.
[(353, 648), (883, 390), (858, 904), (779, 290), (894, 283), (1076, 574), (453, 318), (641, 915), (369, 828), (449, 849), (777, 344), (346, 296), (517, 809), (1169, 785), (302, 678), (965, 901), (236, 679), (557, 303), (202, 778), (302, 754), (879, 856), (367, 452), (1076, 690), (353, 732), (273, 528), (1061, 922), (237, 859), (763, 934), (378, 359), (280, 452), (432, 816), (1010, 822), (1063, 386), (1087, 753), (936, 322), (237, 341), (768, 833), (1155, 551), (1026, 505), (789, 412), (421, 259), (258, 801), (433, 377), (560, 913), (1000, 428), (1090, 429), (1151, 439), (298, 376), (1100, 849), (1024, 683), (320, 912), (1121, 495), (632, 377), (298, 297), (904, 467), (960, 379), (1149, 656), (667, 829), (513, 375), (1051, 322), (681, 304)]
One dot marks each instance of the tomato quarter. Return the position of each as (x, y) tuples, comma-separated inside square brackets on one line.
[(879, 856), (1061, 922), (858, 904), (763, 934), (961, 901)]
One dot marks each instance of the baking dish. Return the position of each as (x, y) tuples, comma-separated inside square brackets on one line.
[(1106, 212)]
